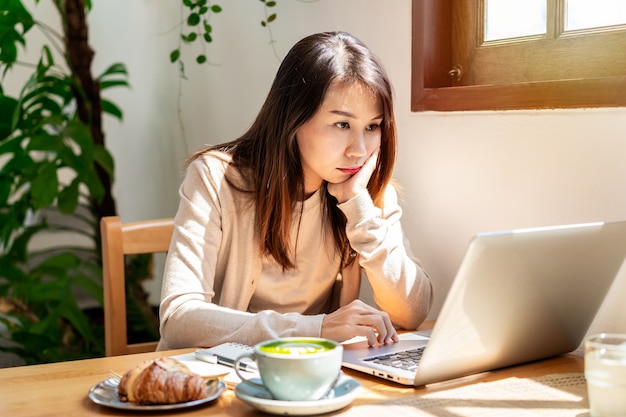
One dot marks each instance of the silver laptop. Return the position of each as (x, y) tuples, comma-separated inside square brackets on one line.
[(519, 296)]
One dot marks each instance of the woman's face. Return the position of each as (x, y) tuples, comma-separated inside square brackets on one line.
[(337, 140)]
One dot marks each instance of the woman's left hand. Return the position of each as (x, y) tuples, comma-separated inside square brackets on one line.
[(344, 191)]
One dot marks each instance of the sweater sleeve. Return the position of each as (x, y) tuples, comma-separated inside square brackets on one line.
[(400, 286), (210, 271)]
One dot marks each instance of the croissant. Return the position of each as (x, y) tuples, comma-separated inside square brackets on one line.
[(161, 381)]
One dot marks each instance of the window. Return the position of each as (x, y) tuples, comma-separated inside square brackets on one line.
[(463, 59)]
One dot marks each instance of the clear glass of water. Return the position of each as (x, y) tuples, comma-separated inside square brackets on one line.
[(605, 372)]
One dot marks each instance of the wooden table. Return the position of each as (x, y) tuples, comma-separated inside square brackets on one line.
[(60, 389)]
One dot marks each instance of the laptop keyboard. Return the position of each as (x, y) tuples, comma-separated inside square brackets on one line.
[(408, 359)]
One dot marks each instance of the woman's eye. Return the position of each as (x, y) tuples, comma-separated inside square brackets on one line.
[(342, 125), (372, 128)]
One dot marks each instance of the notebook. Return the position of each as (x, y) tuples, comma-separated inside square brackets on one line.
[(518, 296)]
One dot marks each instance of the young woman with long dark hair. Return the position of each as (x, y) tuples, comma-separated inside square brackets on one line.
[(275, 228)]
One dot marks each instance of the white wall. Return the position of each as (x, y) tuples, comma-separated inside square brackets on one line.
[(462, 172)]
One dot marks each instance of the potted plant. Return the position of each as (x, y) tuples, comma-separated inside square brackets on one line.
[(55, 176)]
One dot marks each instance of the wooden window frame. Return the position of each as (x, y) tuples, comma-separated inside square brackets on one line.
[(431, 83)]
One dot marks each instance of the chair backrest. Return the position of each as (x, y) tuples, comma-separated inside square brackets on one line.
[(150, 236)]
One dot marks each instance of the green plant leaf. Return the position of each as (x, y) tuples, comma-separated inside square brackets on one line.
[(103, 157), (270, 4), (79, 133), (20, 159), (6, 184), (94, 288), (48, 325), (14, 16), (94, 185), (44, 142), (8, 54), (111, 108), (39, 102), (8, 116), (271, 18), (53, 288), (44, 187), (113, 83), (10, 273), (117, 68), (38, 345), (201, 59), (70, 311), (193, 19), (89, 280), (216, 8), (68, 197), (11, 145), (68, 158), (19, 247), (9, 223), (47, 58), (174, 55)]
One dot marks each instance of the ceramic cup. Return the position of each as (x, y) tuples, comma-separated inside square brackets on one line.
[(295, 368), (605, 372)]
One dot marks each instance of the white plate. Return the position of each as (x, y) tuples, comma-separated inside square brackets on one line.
[(105, 393), (343, 394)]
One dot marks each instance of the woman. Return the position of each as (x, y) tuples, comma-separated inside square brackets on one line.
[(274, 228)]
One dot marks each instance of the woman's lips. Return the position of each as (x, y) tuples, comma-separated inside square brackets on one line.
[(350, 171)]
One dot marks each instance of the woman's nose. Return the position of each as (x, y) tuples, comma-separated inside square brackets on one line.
[(357, 146)]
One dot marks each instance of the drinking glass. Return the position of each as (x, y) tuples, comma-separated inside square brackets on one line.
[(605, 372)]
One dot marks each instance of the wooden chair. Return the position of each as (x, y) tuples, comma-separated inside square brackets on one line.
[(150, 236)]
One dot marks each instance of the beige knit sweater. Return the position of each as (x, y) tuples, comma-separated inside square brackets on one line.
[(214, 265)]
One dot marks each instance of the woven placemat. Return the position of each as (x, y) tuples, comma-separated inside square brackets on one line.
[(558, 395)]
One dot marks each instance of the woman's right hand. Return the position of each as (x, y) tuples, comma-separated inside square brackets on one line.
[(359, 319)]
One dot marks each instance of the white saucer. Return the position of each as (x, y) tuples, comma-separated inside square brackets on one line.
[(344, 393)]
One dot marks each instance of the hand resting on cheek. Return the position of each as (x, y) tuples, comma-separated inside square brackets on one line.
[(344, 191)]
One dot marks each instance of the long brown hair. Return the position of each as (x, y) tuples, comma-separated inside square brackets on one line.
[(267, 154)]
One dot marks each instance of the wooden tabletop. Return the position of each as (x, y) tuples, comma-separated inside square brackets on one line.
[(60, 389)]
